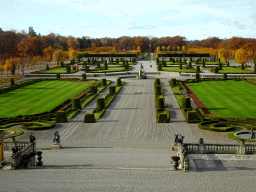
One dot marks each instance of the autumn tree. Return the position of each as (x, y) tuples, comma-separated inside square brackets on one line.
[(163, 48), (74, 43), (1, 68), (28, 47), (8, 65), (139, 48), (183, 48), (169, 48), (241, 56), (8, 44), (224, 54), (48, 53), (158, 48), (72, 54), (58, 56)]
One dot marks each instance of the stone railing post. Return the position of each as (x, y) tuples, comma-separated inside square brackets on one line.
[(241, 149), (32, 161), (201, 148)]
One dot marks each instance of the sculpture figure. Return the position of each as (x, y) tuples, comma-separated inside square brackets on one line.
[(32, 138), (56, 137), (15, 150), (178, 139)]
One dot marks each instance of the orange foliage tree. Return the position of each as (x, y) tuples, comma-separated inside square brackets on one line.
[(58, 56), (224, 54), (241, 56)]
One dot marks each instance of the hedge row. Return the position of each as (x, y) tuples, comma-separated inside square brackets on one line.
[(21, 84), (216, 125), (103, 103), (39, 125), (189, 113), (162, 113), (85, 99)]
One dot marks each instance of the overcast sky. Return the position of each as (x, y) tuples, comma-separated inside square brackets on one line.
[(194, 19)]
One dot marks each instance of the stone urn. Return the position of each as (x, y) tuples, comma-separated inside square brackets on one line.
[(201, 141), (175, 162)]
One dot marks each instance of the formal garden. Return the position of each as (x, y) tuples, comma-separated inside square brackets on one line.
[(221, 103), (37, 104)]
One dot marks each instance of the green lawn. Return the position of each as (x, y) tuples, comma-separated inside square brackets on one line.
[(176, 63), (177, 69), (39, 97), (57, 70), (234, 70), (110, 69), (227, 98)]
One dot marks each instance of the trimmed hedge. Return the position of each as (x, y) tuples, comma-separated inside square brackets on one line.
[(180, 66), (39, 125), (84, 76), (197, 68), (192, 117), (100, 102), (220, 66), (103, 82), (61, 117), (173, 82), (118, 82), (242, 66), (57, 75), (93, 89), (185, 103), (106, 66), (157, 81), (47, 67), (76, 104), (112, 90), (162, 118), (158, 90), (160, 103), (197, 75), (216, 70), (68, 69), (89, 118), (225, 76), (217, 125)]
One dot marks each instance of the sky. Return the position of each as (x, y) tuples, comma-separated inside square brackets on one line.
[(193, 19)]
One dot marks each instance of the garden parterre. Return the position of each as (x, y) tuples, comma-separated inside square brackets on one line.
[(227, 98), (39, 97)]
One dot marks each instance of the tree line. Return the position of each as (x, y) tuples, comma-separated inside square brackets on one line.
[(26, 48)]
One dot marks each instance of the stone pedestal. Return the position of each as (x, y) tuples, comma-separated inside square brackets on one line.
[(56, 146)]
